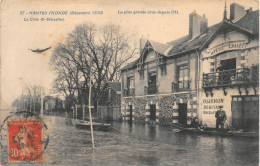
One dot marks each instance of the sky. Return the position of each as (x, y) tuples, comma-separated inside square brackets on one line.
[(20, 66)]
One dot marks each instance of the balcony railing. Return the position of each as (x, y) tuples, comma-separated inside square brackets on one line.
[(231, 77)]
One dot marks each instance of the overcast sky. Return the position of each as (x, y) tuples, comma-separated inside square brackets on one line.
[(19, 66)]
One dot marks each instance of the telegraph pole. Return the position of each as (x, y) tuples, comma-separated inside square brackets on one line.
[(89, 105), (39, 51)]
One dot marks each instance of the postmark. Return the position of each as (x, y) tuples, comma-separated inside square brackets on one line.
[(24, 136)]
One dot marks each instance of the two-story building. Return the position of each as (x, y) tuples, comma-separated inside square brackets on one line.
[(159, 86), (175, 82)]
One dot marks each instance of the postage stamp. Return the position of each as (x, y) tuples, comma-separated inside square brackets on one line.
[(25, 136)]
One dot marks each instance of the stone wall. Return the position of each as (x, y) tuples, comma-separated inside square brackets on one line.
[(167, 111)]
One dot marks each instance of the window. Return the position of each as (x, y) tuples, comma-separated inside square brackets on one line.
[(130, 82), (152, 83), (109, 94), (183, 77), (130, 86)]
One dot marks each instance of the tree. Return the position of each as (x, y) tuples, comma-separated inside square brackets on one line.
[(30, 100), (107, 46)]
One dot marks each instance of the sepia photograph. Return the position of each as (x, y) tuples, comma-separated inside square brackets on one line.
[(113, 83)]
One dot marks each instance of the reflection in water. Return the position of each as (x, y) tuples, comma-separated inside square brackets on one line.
[(137, 144)]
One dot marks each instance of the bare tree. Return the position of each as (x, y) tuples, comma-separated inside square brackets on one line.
[(108, 47), (29, 100)]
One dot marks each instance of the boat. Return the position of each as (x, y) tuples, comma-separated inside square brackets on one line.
[(84, 124), (213, 131)]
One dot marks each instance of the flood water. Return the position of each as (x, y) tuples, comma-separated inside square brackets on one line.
[(140, 144)]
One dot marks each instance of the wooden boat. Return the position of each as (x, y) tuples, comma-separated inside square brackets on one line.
[(213, 131), (84, 124)]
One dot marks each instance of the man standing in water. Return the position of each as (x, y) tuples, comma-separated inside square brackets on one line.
[(221, 117)]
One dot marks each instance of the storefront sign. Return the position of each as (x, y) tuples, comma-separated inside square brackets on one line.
[(227, 47), (210, 106)]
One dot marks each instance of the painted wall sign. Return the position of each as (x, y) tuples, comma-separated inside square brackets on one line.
[(228, 46), (210, 106)]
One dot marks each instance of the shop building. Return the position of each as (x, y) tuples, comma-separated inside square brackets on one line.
[(175, 82), (230, 70)]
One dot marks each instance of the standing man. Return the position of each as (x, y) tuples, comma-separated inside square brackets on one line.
[(220, 117), (219, 77)]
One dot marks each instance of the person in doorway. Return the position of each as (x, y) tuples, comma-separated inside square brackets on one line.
[(220, 117), (219, 70)]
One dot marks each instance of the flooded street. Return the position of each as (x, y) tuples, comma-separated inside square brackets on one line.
[(138, 144)]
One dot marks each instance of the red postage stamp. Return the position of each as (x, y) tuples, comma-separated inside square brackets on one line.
[(25, 140)]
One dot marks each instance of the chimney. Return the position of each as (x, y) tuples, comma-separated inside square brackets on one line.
[(197, 24), (236, 11)]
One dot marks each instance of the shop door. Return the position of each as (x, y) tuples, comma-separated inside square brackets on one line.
[(152, 112), (251, 112), (183, 114), (237, 109), (245, 112), (131, 113)]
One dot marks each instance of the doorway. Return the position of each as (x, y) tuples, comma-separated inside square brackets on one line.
[(183, 114), (228, 64), (152, 112)]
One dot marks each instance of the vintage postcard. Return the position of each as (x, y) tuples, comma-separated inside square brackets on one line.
[(118, 82)]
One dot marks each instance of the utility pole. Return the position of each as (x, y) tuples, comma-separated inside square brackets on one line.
[(39, 51), (89, 105)]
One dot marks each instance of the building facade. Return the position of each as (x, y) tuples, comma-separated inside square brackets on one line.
[(160, 88), (178, 81), (230, 71)]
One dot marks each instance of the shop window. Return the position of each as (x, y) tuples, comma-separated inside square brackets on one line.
[(255, 98), (236, 98), (183, 79), (247, 98)]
